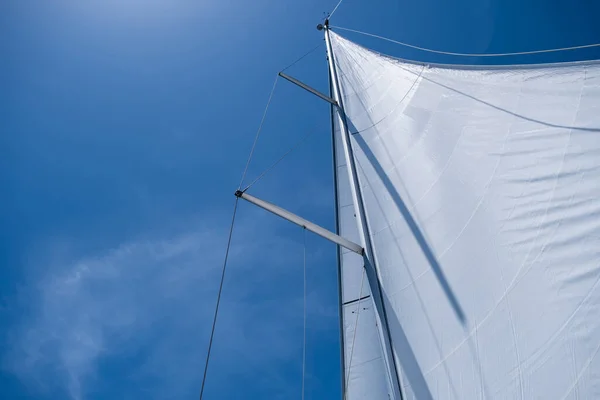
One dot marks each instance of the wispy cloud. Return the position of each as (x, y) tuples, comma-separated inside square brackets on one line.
[(152, 302), (93, 307)]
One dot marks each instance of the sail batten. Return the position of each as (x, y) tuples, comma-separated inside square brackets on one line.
[(482, 198)]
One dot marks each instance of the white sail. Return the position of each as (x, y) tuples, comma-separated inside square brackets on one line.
[(482, 194), (365, 375)]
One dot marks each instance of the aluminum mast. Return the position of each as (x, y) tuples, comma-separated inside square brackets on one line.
[(363, 229)]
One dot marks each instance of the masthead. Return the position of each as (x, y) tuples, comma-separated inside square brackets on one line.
[(324, 25)]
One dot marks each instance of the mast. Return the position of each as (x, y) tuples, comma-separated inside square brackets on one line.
[(332, 108), (363, 228)]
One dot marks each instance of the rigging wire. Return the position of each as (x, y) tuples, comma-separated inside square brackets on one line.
[(294, 147), (262, 121), (304, 316), (362, 281), (302, 57), (449, 53), (335, 9), (214, 324), (218, 302)]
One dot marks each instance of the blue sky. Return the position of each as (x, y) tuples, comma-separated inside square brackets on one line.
[(125, 128)]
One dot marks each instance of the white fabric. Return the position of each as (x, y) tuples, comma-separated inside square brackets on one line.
[(364, 366), (482, 192)]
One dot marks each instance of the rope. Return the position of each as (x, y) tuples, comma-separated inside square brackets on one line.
[(335, 9), (449, 53), (262, 121), (362, 281), (214, 324), (304, 323), (294, 147), (300, 58)]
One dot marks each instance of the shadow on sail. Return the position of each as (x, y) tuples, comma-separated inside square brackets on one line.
[(416, 231)]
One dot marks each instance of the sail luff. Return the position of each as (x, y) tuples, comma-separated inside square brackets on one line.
[(369, 260)]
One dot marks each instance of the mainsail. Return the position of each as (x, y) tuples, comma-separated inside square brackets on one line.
[(481, 188)]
